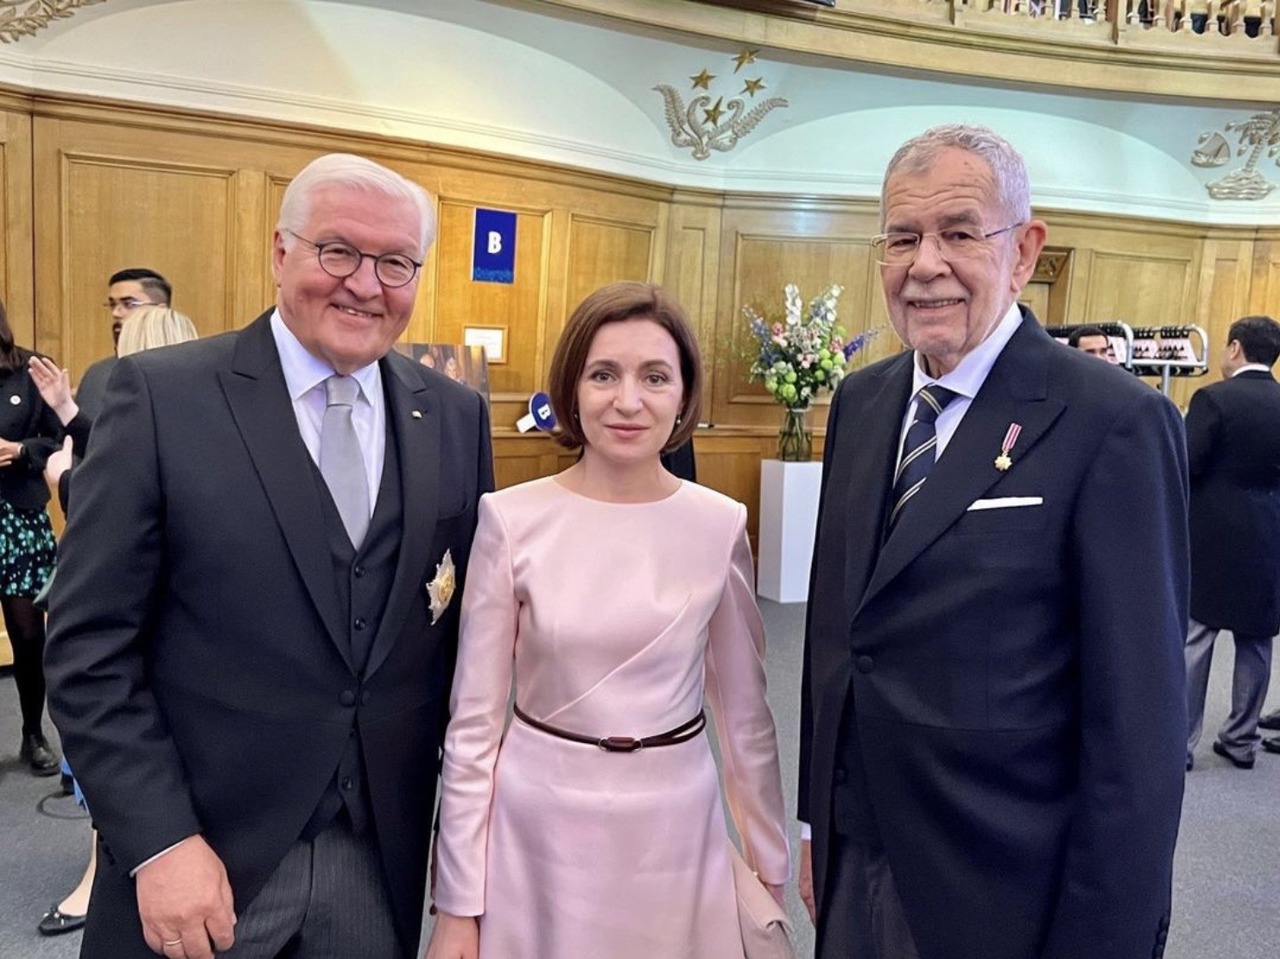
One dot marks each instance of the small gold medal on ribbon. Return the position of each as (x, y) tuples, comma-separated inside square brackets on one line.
[(1004, 460)]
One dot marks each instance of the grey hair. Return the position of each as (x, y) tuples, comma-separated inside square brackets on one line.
[(356, 172), (918, 155)]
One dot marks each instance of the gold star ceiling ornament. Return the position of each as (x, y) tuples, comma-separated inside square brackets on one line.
[(705, 126), (703, 80)]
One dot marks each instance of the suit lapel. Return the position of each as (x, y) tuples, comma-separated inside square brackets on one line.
[(874, 442), (417, 440), (263, 412), (1014, 392)]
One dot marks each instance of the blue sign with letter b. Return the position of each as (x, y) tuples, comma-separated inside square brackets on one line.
[(493, 258)]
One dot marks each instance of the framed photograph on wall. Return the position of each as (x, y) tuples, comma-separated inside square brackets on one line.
[(492, 338)]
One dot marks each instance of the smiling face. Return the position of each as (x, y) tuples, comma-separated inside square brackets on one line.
[(630, 391), (945, 309), (349, 322)]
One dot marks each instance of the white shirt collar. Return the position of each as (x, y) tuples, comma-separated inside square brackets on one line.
[(971, 372), (1260, 367), (304, 371)]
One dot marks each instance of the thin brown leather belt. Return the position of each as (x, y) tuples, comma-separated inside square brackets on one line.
[(621, 744)]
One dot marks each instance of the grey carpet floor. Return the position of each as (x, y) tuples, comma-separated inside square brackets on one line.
[(1227, 878)]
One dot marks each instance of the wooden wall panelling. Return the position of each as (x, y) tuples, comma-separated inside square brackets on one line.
[(519, 306), (1264, 294), (763, 251), (603, 250), (693, 261), (16, 211)]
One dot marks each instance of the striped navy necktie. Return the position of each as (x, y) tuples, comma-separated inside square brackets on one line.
[(919, 450)]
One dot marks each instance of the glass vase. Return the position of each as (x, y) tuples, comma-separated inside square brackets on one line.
[(795, 441)]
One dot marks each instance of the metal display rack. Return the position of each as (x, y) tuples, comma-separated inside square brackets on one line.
[(1163, 351)]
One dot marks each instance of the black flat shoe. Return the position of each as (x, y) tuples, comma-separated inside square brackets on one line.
[(36, 753), (1272, 745), (55, 922), (1221, 750), (1270, 721)]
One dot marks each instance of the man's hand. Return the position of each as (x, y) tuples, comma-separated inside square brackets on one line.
[(454, 937), (54, 385), (185, 902), (806, 880)]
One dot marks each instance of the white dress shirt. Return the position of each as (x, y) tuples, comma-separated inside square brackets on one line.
[(304, 376)]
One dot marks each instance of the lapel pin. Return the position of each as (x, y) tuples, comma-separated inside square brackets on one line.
[(416, 414), (1004, 461)]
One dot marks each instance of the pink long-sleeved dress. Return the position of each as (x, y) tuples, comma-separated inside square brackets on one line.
[(616, 619)]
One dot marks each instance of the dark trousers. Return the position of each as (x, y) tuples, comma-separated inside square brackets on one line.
[(326, 900), (861, 913)]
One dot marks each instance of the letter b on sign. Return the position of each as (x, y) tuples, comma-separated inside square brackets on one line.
[(495, 242), (494, 247)]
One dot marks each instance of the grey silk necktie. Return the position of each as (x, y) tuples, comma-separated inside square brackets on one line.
[(341, 460), (919, 450)]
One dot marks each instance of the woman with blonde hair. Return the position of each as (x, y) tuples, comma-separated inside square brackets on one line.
[(153, 326)]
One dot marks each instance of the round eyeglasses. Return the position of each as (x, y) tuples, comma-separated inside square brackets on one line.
[(957, 243), (340, 260)]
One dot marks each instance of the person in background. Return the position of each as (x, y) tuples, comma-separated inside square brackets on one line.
[(145, 328), (992, 728), (1233, 451), (617, 597), (251, 680), (29, 433), (127, 290), (1091, 340)]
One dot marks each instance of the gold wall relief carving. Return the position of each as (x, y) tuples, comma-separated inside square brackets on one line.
[(23, 18), (1258, 134), (704, 125)]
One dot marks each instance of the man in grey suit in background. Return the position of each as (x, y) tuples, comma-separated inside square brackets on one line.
[(254, 622), (1233, 448)]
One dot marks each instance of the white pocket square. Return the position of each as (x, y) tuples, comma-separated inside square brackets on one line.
[(1006, 502)]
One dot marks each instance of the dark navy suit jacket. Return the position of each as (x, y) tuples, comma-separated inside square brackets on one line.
[(1015, 673)]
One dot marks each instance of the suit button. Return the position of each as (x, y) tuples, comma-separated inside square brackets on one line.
[(865, 664), (347, 783), (358, 572), (841, 775), (348, 697), (359, 624), (364, 696)]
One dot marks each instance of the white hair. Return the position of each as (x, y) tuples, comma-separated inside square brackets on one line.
[(356, 172)]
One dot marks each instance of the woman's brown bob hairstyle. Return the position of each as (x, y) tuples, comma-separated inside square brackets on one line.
[(612, 304)]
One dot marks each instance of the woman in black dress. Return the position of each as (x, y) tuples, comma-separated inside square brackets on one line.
[(29, 432)]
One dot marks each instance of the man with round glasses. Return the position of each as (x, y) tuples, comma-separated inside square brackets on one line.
[(993, 712), (253, 679)]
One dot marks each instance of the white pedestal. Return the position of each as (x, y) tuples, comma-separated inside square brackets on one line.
[(788, 520)]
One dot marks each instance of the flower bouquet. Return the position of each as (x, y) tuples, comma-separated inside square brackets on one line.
[(799, 357)]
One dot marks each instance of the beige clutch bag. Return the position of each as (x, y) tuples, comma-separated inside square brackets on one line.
[(766, 930)]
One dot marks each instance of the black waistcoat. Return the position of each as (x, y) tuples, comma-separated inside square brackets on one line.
[(362, 581)]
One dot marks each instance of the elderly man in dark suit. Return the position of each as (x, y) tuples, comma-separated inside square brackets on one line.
[(254, 623), (993, 697), (1233, 451)]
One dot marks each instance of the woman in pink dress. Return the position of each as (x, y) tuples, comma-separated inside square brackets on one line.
[(617, 599)]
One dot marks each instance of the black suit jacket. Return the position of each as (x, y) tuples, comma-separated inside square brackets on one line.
[(198, 671), (92, 390), (25, 418), (1233, 446), (1015, 674)]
